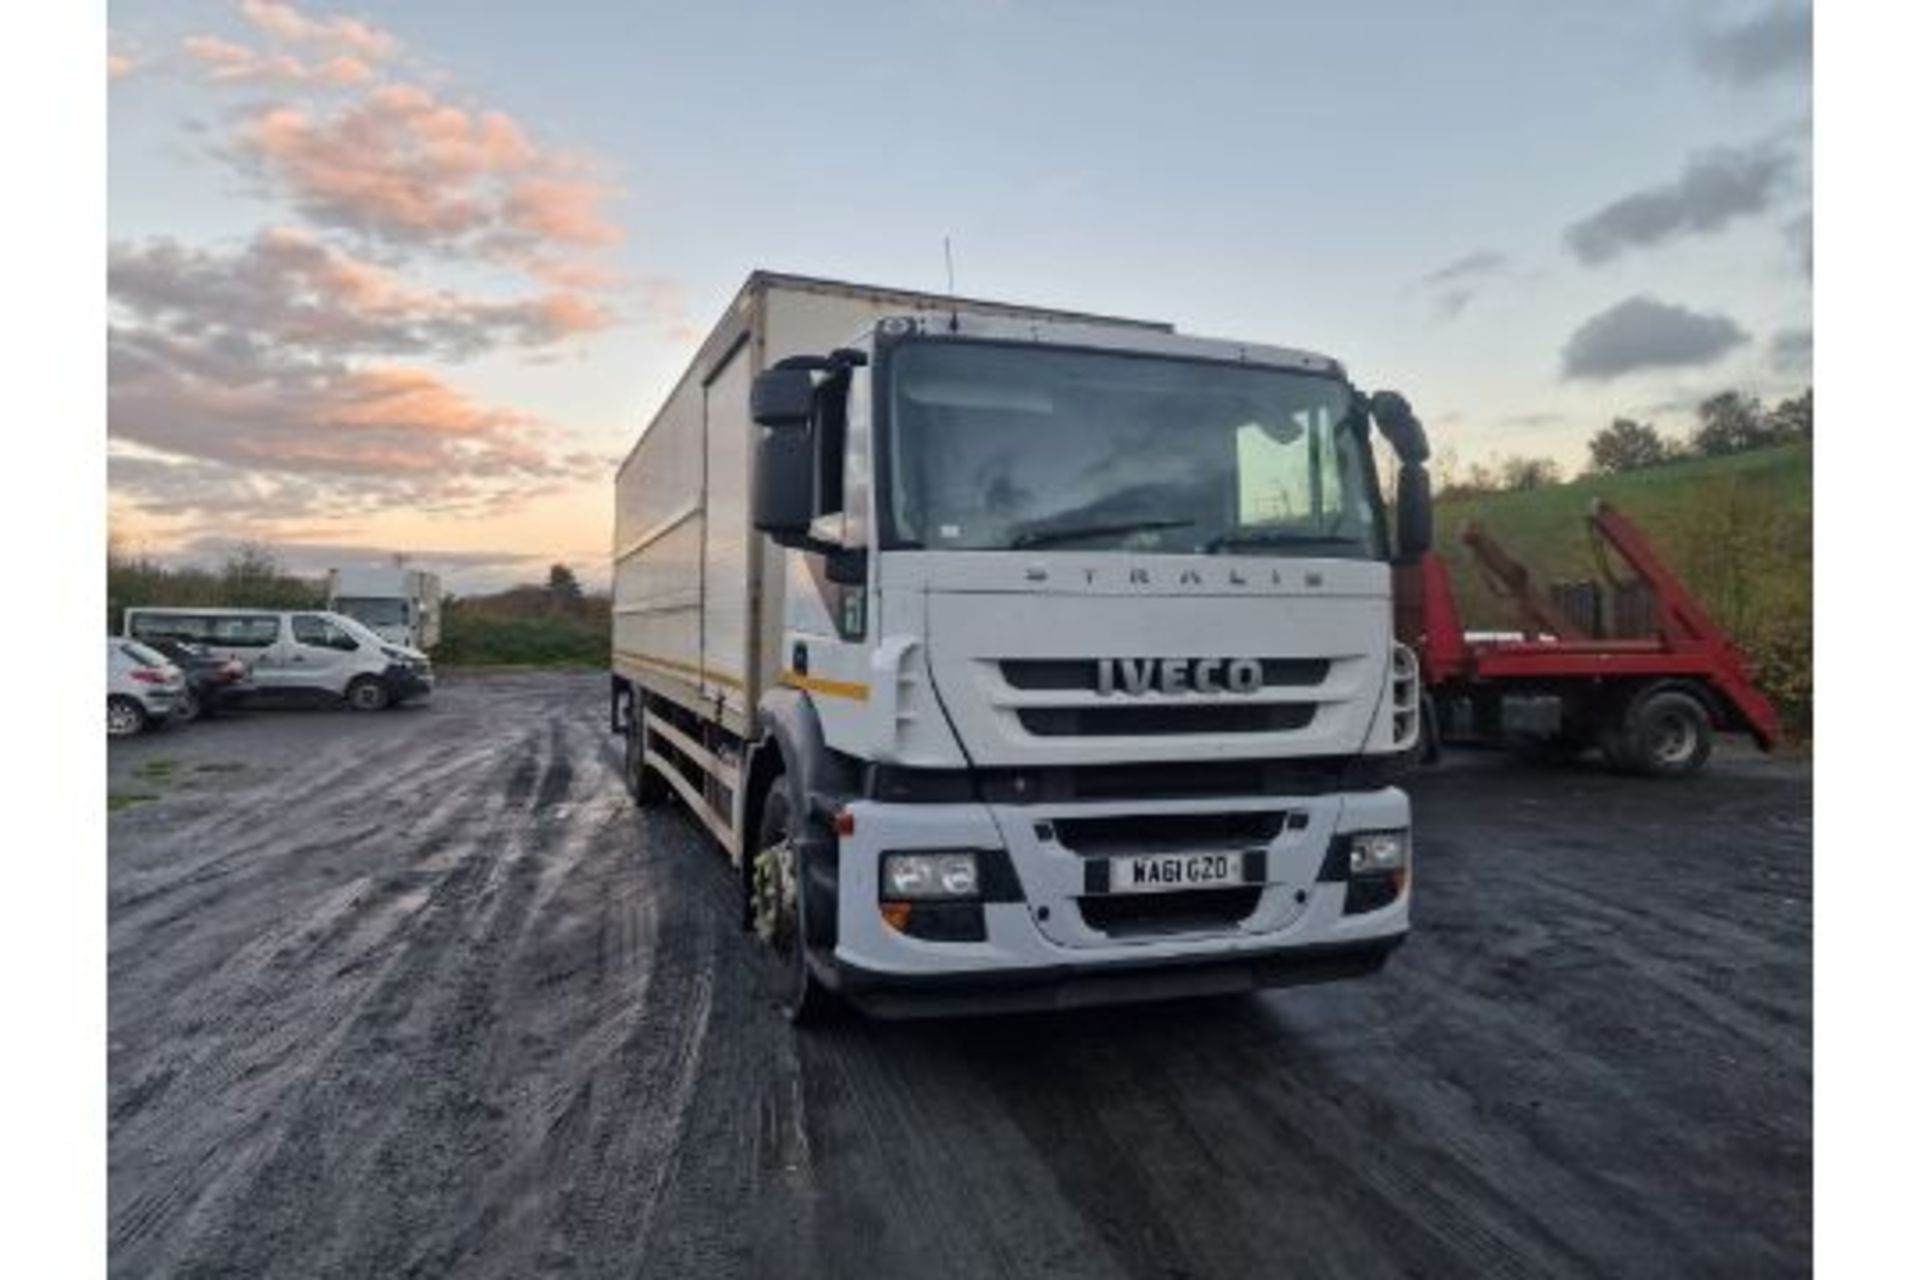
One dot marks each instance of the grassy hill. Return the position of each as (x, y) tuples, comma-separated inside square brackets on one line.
[(1738, 530)]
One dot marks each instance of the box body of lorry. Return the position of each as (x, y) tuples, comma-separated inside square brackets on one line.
[(398, 603), (1080, 724)]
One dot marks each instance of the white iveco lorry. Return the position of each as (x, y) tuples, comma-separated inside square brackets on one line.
[(1022, 658), (396, 603)]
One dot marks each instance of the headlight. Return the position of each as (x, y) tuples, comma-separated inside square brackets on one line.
[(1372, 851), (929, 875)]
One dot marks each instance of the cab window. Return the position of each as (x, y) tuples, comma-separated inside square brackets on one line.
[(321, 634)]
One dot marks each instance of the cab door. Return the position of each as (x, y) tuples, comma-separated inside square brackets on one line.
[(318, 656)]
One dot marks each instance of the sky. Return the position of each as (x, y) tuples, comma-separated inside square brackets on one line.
[(410, 277)]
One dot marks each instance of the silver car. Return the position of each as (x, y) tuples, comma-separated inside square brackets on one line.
[(143, 688)]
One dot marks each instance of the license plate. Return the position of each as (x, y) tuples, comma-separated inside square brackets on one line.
[(1170, 872)]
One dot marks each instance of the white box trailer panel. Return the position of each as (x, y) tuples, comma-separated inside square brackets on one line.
[(695, 617)]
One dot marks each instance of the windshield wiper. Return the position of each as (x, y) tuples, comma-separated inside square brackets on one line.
[(1066, 533), (1277, 538)]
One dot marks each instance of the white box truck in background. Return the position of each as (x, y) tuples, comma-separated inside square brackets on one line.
[(396, 603), (1022, 658)]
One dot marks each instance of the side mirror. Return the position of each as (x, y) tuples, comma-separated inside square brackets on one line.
[(782, 397), (1397, 423), (783, 483), (1413, 513)]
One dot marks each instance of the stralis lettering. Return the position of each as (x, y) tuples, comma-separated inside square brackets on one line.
[(1178, 675)]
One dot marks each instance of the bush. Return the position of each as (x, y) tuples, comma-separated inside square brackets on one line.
[(1747, 560), (472, 637), (251, 578)]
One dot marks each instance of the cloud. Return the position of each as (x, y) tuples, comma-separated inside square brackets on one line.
[(1716, 187), (256, 408), (294, 289), (301, 374), (1773, 42), (348, 35), (403, 167), (1799, 234), (1454, 285), (226, 61), (1529, 420), (120, 65), (1643, 333), (1790, 352)]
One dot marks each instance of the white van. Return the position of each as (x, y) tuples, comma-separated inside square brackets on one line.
[(298, 651)]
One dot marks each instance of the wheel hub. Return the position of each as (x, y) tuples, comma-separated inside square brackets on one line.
[(1672, 740)]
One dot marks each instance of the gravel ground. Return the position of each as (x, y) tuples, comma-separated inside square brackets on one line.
[(419, 993)]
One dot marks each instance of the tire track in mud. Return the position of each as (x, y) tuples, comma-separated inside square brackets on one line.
[(453, 1007), (268, 980)]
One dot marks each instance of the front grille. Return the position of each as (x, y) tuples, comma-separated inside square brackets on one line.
[(1135, 915), (1157, 721), (1171, 832), (1160, 780), (1055, 674)]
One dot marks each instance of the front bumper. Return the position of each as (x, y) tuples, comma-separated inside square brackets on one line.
[(1078, 986), (159, 703), (404, 681), (1042, 950)]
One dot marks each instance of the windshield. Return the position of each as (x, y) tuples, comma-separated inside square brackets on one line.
[(374, 611), (998, 447), (355, 627)]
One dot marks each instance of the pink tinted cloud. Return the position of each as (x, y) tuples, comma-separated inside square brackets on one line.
[(229, 62), (402, 165), (289, 287), (352, 35)]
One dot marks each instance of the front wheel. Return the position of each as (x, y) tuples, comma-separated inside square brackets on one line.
[(780, 909), (189, 708), (367, 694)]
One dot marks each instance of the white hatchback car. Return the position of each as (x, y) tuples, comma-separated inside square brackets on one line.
[(143, 688)]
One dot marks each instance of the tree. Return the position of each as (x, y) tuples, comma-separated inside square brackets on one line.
[(1792, 419), (1730, 423), (563, 589), (1518, 474), (1625, 445)]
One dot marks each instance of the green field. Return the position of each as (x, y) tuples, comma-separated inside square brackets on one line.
[(1738, 530)]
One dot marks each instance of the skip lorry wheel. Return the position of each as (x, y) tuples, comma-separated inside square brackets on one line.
[(780, 911), (1667, 734)]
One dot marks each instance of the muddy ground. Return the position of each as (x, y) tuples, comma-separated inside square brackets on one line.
[(419, 993)]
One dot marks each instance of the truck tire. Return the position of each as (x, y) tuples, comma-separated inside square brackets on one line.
[(366, 693), (1663, 734), (780, 910), (644, 783)]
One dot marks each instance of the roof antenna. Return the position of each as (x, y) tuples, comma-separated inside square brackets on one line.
[(953, 321)]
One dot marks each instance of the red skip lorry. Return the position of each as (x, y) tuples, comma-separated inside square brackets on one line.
[(1630, 663)]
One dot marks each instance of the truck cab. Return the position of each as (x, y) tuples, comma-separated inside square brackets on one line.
[(1083, 685)]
